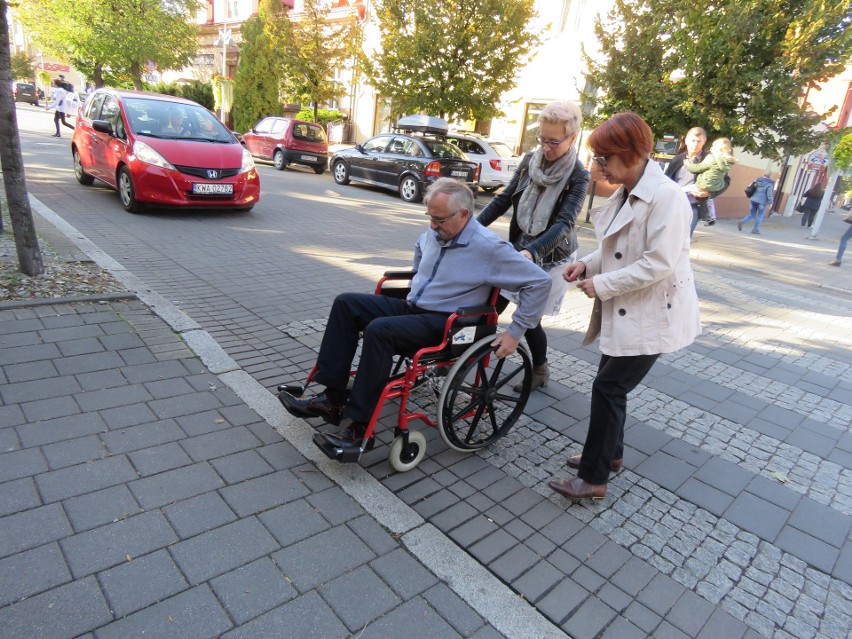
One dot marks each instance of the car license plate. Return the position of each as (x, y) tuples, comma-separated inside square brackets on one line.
[(212, 189), (461, 174), (309, 158), (511, 167)]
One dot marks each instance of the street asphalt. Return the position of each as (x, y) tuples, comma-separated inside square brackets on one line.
[(151, 484)]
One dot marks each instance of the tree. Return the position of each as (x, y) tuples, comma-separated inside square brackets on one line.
[(452, 58), (312, 49), (12, 162), (259, 71), (741, 69), (22, 66), (115, 37)]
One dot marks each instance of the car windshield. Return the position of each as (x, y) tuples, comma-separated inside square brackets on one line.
[(174, 120), (501, 149), (444, 150)]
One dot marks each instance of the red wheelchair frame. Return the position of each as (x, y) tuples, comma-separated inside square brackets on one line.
[(476, 405)]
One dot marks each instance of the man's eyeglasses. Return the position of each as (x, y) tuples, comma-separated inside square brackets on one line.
[(440, 220), (601, 160), (544, 141)]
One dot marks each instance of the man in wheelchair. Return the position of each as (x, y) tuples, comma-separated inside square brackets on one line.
[(458, 262)]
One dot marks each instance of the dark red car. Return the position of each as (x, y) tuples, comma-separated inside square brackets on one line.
[(286, 141), (162, 151)]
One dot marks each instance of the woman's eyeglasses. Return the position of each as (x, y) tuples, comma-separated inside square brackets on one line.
[(601, 160), (544, 141)]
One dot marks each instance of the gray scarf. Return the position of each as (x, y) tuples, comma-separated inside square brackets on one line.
[(539, 198)]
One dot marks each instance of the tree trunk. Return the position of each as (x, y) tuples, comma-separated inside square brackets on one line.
[(136, 74), (316, 111), (12, 163), (98, 75)]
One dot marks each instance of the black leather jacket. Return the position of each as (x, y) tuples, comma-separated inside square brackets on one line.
[(559, 240)]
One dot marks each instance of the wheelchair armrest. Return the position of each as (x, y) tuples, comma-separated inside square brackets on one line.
[(466, 311), (399, 275)]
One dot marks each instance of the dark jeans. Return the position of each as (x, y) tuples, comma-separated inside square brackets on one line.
[(841, 249), (390, 326), (617, 376), (808, 217), (694, 218), (59, 116)]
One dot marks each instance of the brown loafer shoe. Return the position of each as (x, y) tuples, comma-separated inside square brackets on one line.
[(313, 406), (577, 489), (574, 462)]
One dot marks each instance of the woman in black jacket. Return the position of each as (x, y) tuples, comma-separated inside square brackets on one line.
[(813, 198), (546, 193)]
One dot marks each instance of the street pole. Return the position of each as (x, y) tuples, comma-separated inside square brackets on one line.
[(225, 39)]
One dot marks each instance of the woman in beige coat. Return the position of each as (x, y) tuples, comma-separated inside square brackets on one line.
[(642, 283)]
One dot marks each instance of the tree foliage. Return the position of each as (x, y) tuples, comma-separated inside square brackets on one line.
[(312, 49), (452, 58), (739, 68), (259, 70), (22, 66), (113, 38)]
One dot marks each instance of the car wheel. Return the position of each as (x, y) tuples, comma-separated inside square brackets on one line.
[(319, 170), (82, 177), (126, 191), (278, 160), (409, 189), (341, 172)]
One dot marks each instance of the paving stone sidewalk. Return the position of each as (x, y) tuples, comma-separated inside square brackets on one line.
[(140, 496)]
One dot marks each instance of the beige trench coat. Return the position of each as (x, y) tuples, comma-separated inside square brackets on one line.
[(646, 300)]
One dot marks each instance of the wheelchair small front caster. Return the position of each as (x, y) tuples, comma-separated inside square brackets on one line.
[(405, 455)]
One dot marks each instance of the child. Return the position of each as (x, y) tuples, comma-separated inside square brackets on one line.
[(710, 174)]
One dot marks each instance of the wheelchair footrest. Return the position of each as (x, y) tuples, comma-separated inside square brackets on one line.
[(343, 454)]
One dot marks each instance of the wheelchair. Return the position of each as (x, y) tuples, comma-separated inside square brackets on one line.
[(476, 403)]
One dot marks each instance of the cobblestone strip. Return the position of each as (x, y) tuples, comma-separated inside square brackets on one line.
[(824, 481), (822, 409), (773, 592)]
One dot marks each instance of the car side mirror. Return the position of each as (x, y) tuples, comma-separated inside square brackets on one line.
[(103, 126), (359, 148)]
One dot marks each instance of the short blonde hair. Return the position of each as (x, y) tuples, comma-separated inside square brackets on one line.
[(722, 146), (567, 114)]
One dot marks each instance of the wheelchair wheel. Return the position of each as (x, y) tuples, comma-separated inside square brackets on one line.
[(402, 461), (477, 404)]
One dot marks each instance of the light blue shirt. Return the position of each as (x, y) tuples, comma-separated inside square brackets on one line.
[(463, 270)]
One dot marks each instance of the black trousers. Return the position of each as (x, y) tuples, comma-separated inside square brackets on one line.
[(59, 116), (617, 376), (390, 326), (808, 217)]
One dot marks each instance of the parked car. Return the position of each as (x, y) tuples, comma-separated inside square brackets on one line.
[(407, 161), (163, 151), (25, 92), (286, 141), (497, 162)]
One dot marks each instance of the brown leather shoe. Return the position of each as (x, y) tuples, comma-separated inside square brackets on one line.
[(577, 489), (574, 462), (313, 406)]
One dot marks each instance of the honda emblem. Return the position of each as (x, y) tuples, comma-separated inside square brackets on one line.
[(212, 174)]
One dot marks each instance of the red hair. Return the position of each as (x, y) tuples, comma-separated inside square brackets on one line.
[(625, 135)]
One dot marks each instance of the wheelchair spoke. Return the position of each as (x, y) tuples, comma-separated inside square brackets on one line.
[(473, 424)]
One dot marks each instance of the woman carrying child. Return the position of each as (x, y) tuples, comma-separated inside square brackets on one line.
[(711, 172)]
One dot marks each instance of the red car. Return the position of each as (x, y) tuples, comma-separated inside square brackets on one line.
[(162, 151), (286, 141)]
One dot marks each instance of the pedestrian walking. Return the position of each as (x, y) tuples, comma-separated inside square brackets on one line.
[(810, 205), (843, 241), (546, 193), (710, 176), (59, 98), (641, 280), (760, 201)]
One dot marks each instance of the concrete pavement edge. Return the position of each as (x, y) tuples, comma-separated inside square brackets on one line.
[(472, 582)]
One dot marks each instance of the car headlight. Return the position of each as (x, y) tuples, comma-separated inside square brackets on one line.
[(145, 153), (248, 162)]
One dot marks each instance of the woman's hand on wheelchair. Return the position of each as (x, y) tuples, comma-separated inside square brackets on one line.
[(505, 345)]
